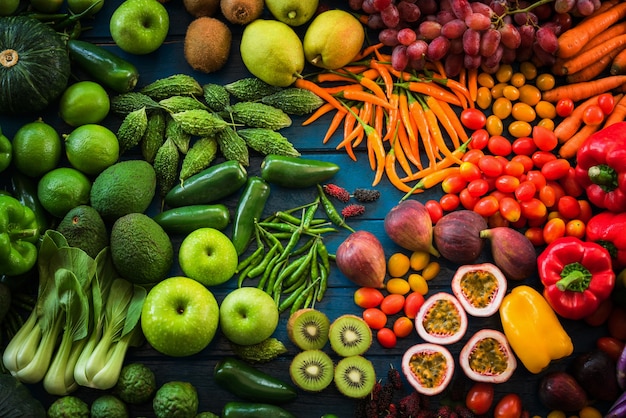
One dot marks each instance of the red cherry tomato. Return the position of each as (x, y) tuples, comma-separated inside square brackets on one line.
[(544, 138), (490, 166), (593, 115), (499, 145), (480, 398), (480, 138), (606, 102), (610, 345), (386, 337), (568, 207), (510, 406), (486, 206), (601, 314), (523, 145), (564, 107), (473, 118), (478, 187), (434, 210), (575, 228), (449, 201), (555, 169)]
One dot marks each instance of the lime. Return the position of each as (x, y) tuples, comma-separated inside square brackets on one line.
[(84, 102), (91, 148), (36, 148), (62, 189), (8, 7)]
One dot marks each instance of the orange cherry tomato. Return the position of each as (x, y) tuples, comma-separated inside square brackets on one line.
[(553, 229), (374, 318), (510, 209), (575, 228), (469, 171)]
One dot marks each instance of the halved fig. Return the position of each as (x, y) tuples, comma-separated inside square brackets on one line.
[(441, 319), (428, 367), (487, 357), (480, 288)]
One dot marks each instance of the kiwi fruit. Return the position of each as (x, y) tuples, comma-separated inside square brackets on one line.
[(241, 12), (349, 335), (308, 328), (311, 370), (355, 376), (207, 44), (199, 8)]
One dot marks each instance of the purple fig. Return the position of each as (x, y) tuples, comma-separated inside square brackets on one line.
[(361, 258), (457, 236), (512, 251), (409, 225)]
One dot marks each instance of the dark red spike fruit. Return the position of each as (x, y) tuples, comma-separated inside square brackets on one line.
[(353, 210), (463, 412), (394, 376), (337, 192), (410, 405)]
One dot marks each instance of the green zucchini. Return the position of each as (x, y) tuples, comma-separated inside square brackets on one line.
[(252, 384), (103, 66), (209, 185), (185, 219)]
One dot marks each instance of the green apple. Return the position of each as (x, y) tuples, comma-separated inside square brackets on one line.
[(139, 26), (208, 256), (248, 316), (179, 316)]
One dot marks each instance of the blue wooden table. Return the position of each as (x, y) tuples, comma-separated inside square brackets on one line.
[(197, 369)]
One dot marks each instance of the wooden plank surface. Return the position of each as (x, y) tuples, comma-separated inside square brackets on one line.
[(197, 369)]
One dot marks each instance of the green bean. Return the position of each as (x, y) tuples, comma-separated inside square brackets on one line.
[(260, 267), (273, 275), (322, 252), (250, 259), (323, 282), (279, 226), (289, 300), (333, 214), (302, 295), (244, 274)]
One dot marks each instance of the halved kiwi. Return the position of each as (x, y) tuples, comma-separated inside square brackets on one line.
[(312, 370), (308, 328), (349, 335), (355, 376)]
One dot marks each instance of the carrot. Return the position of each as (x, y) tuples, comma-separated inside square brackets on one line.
[(592, 55), (319, 112), (390, 170), (584, 89), (570, 124), (574, 39), (618, 65), (311, 86), (619, 111), (443, 118), (570, 147), (615, 30), (334, 125), (595, 69)]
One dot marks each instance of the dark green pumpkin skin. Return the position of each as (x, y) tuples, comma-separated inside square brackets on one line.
[(42, 70)]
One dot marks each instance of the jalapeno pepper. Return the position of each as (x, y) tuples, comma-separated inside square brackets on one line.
[(249, 209), (5, 152), (252, 384), (296, 172), (236, 409), (186, 219), (103, 66), (209, 185), (18, 234)]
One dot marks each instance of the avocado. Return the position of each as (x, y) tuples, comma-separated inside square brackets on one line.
[(141, 250), (83, 227), (125, 187)]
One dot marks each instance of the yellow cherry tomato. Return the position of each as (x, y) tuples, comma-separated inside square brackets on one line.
[(524, 112), (494, 125), (545, 81), (497, 90), (547, 123), (511, 92), (519, 128), (485, 80), (504, 73), (545, 110), (418, 284), (483, 98), (529, 94), (398, 286), (518, 79), (528, 69), (589, 412), (431, 270), (419, 260), (398, 264), (502, 107)]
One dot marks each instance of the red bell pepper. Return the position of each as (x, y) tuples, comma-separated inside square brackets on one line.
[(609, 230), (601, 167), (577, 276)]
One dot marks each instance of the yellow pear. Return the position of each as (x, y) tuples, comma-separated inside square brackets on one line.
[(292, 12), (333, 39), (272, 51)]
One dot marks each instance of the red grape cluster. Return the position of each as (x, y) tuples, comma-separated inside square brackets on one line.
[(471, 34)]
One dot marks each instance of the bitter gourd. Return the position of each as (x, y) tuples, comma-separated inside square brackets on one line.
[(267, 141), (250, 88), (233, 146), (166, 167), (154, 136), (216, 96), (259, 115), (174, 85), (200, 156), (175, 104), (123, 104), (175, 132), (294, 101), (132, 129), (199, 122)]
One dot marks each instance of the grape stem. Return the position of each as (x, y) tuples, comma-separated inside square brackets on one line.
[(524, 10)]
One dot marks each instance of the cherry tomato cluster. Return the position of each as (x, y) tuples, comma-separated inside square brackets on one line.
[(521, 184), (594, 114), (480, 399), (390, 312)]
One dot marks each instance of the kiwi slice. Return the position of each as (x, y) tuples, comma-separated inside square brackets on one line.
[(311, 370), (349, 335), (308, 329), (355, 376)]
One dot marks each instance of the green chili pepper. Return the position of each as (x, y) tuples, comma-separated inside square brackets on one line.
[(262, 265), (323, 282), (248, 212), (332, 213), (273, 274), (252, 259), (209, 185), (252, 384), (301, 297), (296, 172), (237, 409), (185, 219), (5, 152)]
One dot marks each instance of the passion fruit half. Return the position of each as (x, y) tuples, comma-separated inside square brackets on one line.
[(441, 319), (487, 357), (428, 367), (480, 288)]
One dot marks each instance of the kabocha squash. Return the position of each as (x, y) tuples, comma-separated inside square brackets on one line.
[(34, 65)]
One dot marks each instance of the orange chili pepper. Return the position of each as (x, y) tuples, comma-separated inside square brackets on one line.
[(385, 75), (390, 170), (363, 96), (311, 86), (334, 124), (443, 118), (319, 112)]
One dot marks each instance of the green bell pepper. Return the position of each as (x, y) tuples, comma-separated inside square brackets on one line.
[(5, 152), (18, 234)]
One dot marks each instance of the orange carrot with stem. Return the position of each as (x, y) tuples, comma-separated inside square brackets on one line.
[(585, 89), (570, 147), (584, 59)]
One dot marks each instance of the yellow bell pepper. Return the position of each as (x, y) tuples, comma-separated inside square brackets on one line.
[(533, 329)]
